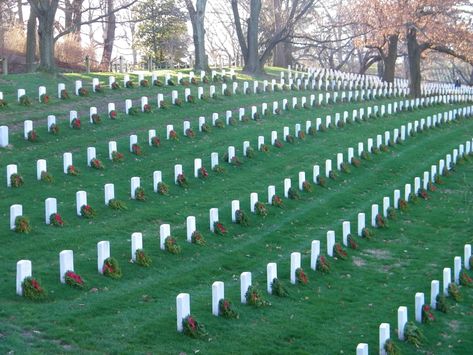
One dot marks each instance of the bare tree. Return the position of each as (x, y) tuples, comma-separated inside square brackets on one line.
[(197, 15)]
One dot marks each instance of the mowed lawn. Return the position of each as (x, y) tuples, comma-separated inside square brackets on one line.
[(136, 314)]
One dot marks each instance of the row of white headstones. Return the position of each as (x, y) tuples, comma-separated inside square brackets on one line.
[(429, 121), (16, 210), (384, 328), (328, 97), (183, 299)]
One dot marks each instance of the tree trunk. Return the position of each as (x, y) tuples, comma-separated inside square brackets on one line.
[(20, 12), (282, 56), (46, 44), (389, 60), (31, 42), (109, 37), (413, 55), (197, 16), (252, 64), (381, 69)]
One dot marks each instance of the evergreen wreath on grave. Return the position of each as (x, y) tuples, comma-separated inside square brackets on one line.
[(157, 82), (46, 177), (345, 167), (64, 94), (413, 198), (277, 201), (155, 141), (392, 213), (115, 85), (301, 135), (431, 187), (190, 99), (323, 127), (83, 92), (322, 264), (96, 164), (301, 276), (391, 348), (74, 280), (96, 119), (264, 148), (117, 156), (256, 116), (465, 279), (307, 186), (76, 124), (384, 148), (365, 155), (25, 100), (190, 133), (352, 242), (232, 121), (3, 103), (278, 289), (241, 218), (423, 194), (87, 211), (227, 92), (56, 220), (113, 114), (136, 149), (219, 229), (193, 328), (111, 268), (173, 135), (163, 189), (438, 180), (255, 298), (197, 238), (133, 111), (250, 153), (54, 129), (245, 118), (321, 181), (182, 181), (140, 194), (72, 170), (116, 204), (170, 82), (380, 221), (441, 303), (129, 84), (367, 233), (261, 209), (332, 175), (32, 136), (293, 194), (219, 169), (184, 82), (225, 309), (290, 139), (202, 173), (142, 258), (278, 143), (219, 123), (178, 102), (277, 111), (98, 88), (144, 83), (170, 244), (454, 292), (355, 162), (22, 225), (312, 131), (205, 128), (403, 205), (44, 99), (194, 81), (235, 161), (427, 315), (339, 252), (413, 334), (16, 180), (32, 289)]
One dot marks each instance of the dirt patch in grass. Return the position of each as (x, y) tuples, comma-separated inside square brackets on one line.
[(379, 253), (358, 261)]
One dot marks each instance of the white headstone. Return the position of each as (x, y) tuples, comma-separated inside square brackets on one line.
[(23, 270), (346, 232), (457, 267), (103, 252), (109, 193), (3, 136), (295, 264), (401, 321), (218, 293), (213, 217), (134, 184), (330, 242), (157, 178), (15, 211), (384, 335), (245, 283), (467, 256), (361, 223), (136, 243), (66, 263), (419, 302), (287, 186), (183, 309), (447, 279), (50, 207), (81, 200), (164, 232), (67, 161)]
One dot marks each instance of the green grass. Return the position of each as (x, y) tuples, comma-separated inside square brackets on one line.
[(137, 313)]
